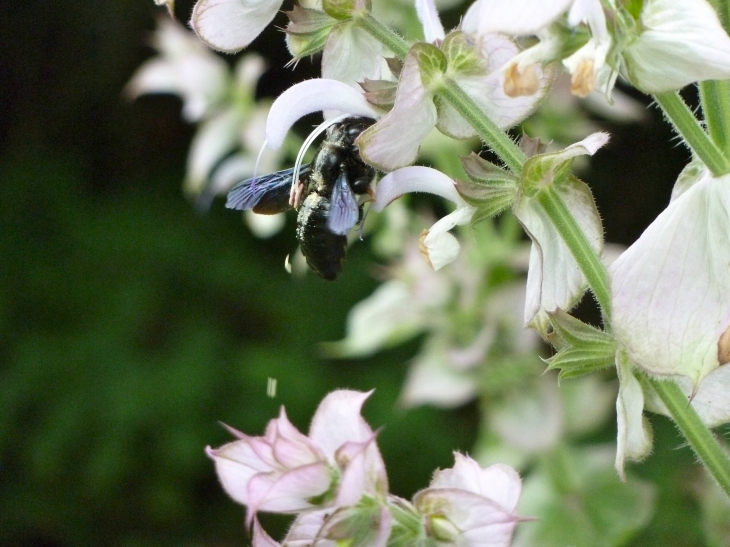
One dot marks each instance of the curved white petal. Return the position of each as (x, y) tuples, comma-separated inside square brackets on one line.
[(432, 28), (312, 96), (394, 141), (683, 42), (671, 288), (231, 25), (414, 179), (519, 17)]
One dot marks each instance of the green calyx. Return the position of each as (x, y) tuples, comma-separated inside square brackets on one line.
[(490, 189), (585, 349), (307, 31), (345, 9)]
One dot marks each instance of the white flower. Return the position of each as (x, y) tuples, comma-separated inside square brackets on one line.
[(438, 246), (183, 67), (587, 65), (471, 506)]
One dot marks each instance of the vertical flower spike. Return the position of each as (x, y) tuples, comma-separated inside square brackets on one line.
[(231, 25), (554, 280), (682, 41), (671, 288)]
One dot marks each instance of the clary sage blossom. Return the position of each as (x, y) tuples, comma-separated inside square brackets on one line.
[(334, 480), (284, 471)]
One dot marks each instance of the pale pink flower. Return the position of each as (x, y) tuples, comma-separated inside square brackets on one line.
[(471, 506), (285, 471)]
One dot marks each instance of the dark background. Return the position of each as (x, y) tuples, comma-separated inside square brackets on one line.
[(130, 325)]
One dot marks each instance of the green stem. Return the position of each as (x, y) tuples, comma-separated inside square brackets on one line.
[(700, 438), (385, 35), (689, 128), (496, 139), (575, 239), (715, 99)]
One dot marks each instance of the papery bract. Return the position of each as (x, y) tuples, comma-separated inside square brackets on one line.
[(554, 280)]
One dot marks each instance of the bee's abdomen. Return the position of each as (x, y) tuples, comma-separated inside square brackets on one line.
[(323, 250)]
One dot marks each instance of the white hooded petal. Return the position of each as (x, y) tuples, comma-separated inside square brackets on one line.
[(308, 97), (414, 179), (554, 279), (711, 400), (519, 17), (634, 435), (231, 25), (671, 288), (432, 28), (351, 55), (682, 42), (394, 141)]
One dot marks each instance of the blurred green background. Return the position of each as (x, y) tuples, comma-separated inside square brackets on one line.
[(130, 325)]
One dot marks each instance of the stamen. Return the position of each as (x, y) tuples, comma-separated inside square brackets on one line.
[(308, 142), (256, 166)]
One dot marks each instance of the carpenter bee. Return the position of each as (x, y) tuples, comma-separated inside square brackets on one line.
[(327, 190)]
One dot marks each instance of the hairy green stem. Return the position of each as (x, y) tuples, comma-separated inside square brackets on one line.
[(688, 127), (385, 35), (583, 253), (496, 139), (715, 99), (700, 438)]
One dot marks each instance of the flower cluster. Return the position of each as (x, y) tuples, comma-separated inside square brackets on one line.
[(664, 301), (334, 480)]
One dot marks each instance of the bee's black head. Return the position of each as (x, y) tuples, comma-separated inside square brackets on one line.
[(348, 130)]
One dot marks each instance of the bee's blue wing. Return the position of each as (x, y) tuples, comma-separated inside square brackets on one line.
[(344, 210), (267, 194)]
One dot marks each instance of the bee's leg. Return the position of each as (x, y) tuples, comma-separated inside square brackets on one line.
[(295, 196)]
